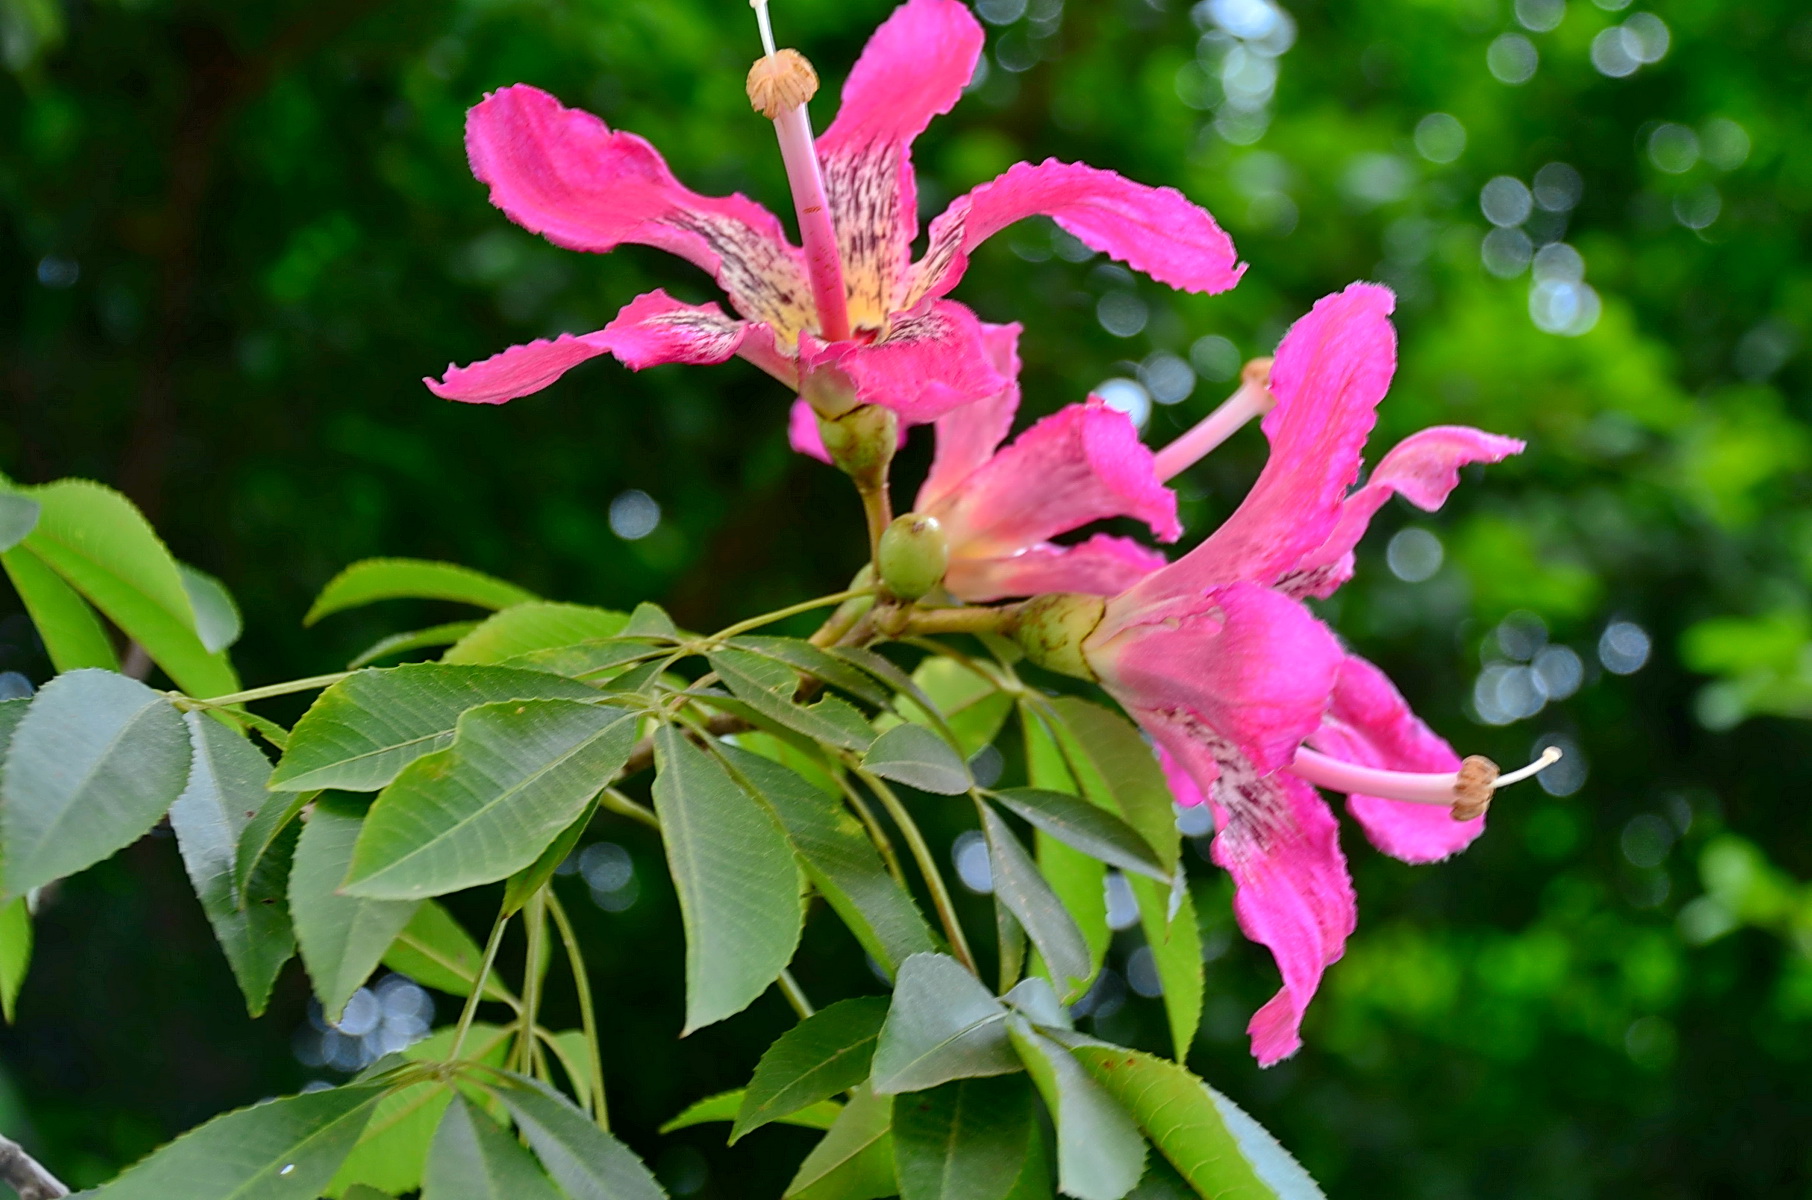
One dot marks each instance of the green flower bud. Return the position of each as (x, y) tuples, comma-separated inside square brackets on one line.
[(862, 441), (1051, 630), (913, 555)]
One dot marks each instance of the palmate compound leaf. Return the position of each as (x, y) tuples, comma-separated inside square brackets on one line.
[(225, 790), (965, 1140), (342, 937), (1211, 1141), (837, 857), (1026, 894), (854, 1159), (280, 1150), (93, 764), (366, 728), (941, 1025), (412, 578), (917, 757), (527, 628), (735, 875), (586, 1162), (473, 1158), (103, 547), (517, 775), (827, 1053), (1100, 1152)]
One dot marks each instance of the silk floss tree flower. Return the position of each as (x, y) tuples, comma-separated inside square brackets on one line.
[(1252, 701), (847, 318)]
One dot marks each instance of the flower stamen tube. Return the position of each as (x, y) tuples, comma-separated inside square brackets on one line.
[(1467, 792), (1253, 399)]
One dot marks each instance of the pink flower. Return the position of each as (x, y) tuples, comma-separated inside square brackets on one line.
[(1217, 657), (885, 330)]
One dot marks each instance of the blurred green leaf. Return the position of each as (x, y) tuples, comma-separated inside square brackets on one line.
[(1083, 826), (1035, 906), (435, 950), (412, 578), (68, 624), (725, 1105), (854, 1159), (526, 628), (966, 1140), (587, 1163)]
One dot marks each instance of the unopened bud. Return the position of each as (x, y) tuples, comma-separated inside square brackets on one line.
[(862, 441), (779, 81), (913, 555), (1051, 630)]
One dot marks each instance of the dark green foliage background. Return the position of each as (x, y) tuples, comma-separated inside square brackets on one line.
[(277, 237)]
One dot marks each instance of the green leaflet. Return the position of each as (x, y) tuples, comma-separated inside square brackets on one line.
[(71, 631), (917, 757), (472, 1158), (15, 954), (1100, 1153), (1078, 879), (941, 1025), (966, 1140), (342, 937), (361, 732), (517, 774), (1176, 947), (435, 950), (18, 517), (768, 687), (970, 704), (224, 792), (827, 1053), (217, 620), (415, 639), (854, 1159), (104, 548), (738, 888), (92, 765), (1085, 827), (288, 1147), (398, 578), (539, 625), (1026, 894), (1220, 1150), (725, 1105), (586, 1162), (838, 858)]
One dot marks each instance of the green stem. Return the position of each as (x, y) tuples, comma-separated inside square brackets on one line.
[(310, 684), (921, 853), (876, 832), (484, 973), (790, 611), (534, 914), (617, 802), (968, 619), (795, 995), (877, 507), (588, 1015)]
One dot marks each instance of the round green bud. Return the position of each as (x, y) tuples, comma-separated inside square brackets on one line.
[(1052, 628), (913, 556), (862, 441)]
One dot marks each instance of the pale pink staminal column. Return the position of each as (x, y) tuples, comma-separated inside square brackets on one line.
[(1253, 399)]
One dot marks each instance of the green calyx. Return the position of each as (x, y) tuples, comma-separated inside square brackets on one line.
[(1051, 630), (913, 555), (862, 440)]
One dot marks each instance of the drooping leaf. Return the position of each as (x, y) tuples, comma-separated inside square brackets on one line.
[(104, 548), (18, 517), (15, 954), (224, 792), (1020, 886), (1213, 1143), (586, 1162), (217, 620), (435, 950), (1176, 949), (725, 1105), (966, 1140), (1100, 1153), (810, 660), (517, 774), (472, 1158), (414, 639), (827, 1053), (768, 688), (941, 1025), (540, 625), (839, 859), (917, 757), (412, 578), (342, 938), (66, 623), (93, 764), (393, 1148), (366, 728), (1085, 827), (525, 883), (280, 1148), (738, 888), (970, 704), (854, 1159)]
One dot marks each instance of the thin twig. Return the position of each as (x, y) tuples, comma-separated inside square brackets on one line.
[(795, 995), (25, 1175), (588, 1015), (921, 853)]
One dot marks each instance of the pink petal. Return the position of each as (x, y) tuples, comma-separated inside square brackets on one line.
[(1250, 665), (968, 436), (928, 364), (1183, 787), (1157, 231), (1370, 724), (914, 68), (563, 173), (1423, 468), (802, 432), (1081, 464), (652, 329), (1332, 369), (1102, 566), (1280, 843)]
